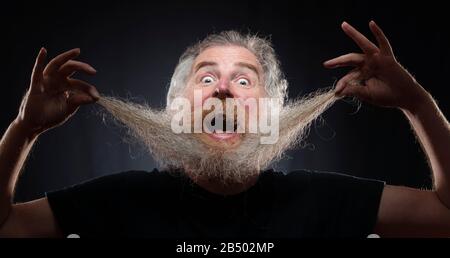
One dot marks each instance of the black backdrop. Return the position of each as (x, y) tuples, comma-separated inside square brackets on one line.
[(135, 46)]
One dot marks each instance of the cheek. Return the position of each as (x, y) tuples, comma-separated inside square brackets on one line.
[(256, 93), (197, 96), (207, 92)]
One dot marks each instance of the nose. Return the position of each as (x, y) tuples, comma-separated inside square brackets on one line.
[(222, 91)]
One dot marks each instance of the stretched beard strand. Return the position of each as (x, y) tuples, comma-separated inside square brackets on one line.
[(152, 128)]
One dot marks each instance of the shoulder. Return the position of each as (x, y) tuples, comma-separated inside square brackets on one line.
[(93, 206), (316, 177), (125, 182), (334, 204), (134, 177), (322, 182)]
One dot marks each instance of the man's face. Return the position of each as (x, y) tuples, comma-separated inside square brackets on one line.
[(225, 72)]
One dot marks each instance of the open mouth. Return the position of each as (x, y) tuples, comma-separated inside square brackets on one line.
[(223, 127)]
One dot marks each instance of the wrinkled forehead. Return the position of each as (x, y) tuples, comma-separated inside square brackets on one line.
[(227, 56)]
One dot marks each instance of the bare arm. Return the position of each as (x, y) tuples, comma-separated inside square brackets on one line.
[(53, 97), (14, 148), (410, 212), (379, 79), (29, 219), (433, 131)]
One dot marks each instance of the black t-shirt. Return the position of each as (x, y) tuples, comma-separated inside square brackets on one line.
[(164, 205)]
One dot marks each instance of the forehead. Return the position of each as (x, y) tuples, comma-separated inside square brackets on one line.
[(227, 55)]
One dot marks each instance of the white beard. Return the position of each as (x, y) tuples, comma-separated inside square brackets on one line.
[(152, 128)]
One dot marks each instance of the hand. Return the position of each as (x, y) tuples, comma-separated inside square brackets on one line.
[(377, 77), (53, 96)]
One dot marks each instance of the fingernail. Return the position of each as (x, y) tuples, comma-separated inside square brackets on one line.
[(95, 94), (338, 94), (337, 90), (330, 64), (339, 87)]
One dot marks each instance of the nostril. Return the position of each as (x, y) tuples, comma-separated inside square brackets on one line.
[(222, 94)]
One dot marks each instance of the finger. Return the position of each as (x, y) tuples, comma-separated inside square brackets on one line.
[(58, 61), (352, 59), (71, 66), (366, 45), (383, 42), (85, 87), (78, 98), (36, 75), (344, 81), (359, 91)]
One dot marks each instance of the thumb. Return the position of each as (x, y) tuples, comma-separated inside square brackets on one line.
[(355, 90), (77, 98)]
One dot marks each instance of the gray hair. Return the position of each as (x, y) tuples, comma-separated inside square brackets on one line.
[(275, 83)]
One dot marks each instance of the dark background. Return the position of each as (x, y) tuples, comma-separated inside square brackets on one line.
[(135, 47)]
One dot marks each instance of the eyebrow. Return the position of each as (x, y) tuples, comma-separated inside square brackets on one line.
[(203, 64), (249, 66), (241, 64)]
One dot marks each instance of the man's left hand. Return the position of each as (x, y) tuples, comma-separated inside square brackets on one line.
[(377, 77)]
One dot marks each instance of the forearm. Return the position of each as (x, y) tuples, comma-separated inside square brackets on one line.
[(433, 132), (14, 148)]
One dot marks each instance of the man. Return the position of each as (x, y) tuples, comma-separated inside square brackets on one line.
[(215, 184)]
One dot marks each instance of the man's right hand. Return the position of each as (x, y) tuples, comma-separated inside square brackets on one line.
[(53, 96)]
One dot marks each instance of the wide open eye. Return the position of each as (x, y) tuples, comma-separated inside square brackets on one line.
[(207, 80), (243, 82)]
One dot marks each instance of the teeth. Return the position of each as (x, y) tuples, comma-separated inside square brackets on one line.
[(220, 128)]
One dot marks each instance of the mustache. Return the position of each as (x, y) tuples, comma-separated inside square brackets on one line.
[(152, 128)]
